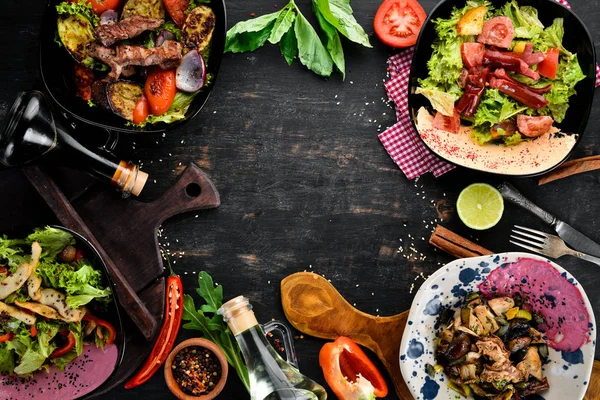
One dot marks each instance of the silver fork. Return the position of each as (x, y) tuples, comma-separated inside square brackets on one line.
[(546, 244)]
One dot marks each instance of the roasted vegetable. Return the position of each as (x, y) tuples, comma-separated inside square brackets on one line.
[(123, 97), (76, 32), (198, 28), (145, 8)]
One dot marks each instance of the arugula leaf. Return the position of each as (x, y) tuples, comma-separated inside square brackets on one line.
[(251, 34), (334, 44), (214, 328), (339, 14), (284, 22), (311, 51), (289, 46)]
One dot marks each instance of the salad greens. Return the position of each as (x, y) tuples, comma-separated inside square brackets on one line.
[(297, 37), (445, 66), (21, 351), (211, 325)]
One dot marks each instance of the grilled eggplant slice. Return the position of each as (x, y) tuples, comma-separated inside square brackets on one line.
[(75, 33), (123, 96), (198, 28), (145, 8)]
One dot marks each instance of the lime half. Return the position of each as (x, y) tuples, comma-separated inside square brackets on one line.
[(480, 206)]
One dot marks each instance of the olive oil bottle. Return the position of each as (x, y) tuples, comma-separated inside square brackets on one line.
[(271, 377)]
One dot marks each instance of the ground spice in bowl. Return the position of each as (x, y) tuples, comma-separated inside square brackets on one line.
[(196, 370)]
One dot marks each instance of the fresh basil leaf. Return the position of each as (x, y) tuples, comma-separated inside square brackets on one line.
[(289, 46), (283, 23), (311, 51), (251, 34), (339, 14), (334, 44)]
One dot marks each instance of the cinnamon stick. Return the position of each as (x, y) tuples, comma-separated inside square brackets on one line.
[(572, 167), (455, 245)]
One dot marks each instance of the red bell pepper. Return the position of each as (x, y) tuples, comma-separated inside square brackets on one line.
[(66, 348), (7, 337), (112, 333), (349, 372), (33, 331)]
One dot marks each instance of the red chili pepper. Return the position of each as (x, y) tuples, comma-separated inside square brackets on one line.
[(7, 337), (33, 331), (112, 333), (342, 361), (168, 333), (66, 348)]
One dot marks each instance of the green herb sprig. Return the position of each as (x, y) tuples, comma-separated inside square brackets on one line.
[(297, 37), (212, 326)]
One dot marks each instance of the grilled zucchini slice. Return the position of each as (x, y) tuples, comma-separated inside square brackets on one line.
[(123, 96), (144, 8), (198, 28), (76, 32)]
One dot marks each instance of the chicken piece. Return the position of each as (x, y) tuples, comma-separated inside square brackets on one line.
[(531, 364), (58, 301), (487, 319), (472, 357), (509, 373), (43, 310), (14, 312), (493, 348), (474, 324), (536, 336), (14, 282), (34, 282), (500, 305)]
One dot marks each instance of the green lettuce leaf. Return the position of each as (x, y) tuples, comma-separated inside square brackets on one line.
[(525, 19), (568, 74), (7, 359), (11, 254), (47, 330), (52, 240), (30, 362), (513, 139), (496, 107), (440, 101), (552, 37), (181, 103)]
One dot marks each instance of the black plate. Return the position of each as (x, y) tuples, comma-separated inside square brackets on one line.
[(56, 67), (577, 39)]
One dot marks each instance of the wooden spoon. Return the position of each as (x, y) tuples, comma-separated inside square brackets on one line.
[(313, 306)]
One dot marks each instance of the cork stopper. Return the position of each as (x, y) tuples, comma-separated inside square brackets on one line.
[(140, 181), (238, 314)]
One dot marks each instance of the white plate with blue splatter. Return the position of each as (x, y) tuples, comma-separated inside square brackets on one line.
[(568, 373)]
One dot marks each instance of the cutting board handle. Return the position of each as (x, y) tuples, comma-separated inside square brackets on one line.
[(193, 191)]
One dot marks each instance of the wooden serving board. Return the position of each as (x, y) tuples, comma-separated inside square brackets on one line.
[(313, 306), (124, 229)]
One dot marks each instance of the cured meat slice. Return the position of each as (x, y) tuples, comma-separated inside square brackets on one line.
[(498, 31), (445, 123), (472, 54), (534, 126)]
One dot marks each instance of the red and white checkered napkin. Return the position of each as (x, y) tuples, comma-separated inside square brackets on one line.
[(401, 141)]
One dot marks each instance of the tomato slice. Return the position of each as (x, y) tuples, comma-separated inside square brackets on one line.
[(160, 89), (398, 22), (549, 66), (140, 112), (349, 372)]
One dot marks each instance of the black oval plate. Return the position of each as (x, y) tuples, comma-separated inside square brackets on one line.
[(577, 40), (56, 67)]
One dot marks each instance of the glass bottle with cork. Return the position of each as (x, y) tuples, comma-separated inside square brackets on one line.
[(271, 377)]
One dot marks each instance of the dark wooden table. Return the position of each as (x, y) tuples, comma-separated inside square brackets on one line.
[(305, 183)]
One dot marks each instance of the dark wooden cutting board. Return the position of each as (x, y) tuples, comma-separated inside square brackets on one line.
[(125, 229), (313, 306)]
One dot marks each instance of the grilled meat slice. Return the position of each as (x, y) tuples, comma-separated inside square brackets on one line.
[(166, 56), (127, 28)]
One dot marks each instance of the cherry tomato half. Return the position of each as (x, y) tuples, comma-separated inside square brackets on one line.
[(398, 22), (549, 66), (140, 112)]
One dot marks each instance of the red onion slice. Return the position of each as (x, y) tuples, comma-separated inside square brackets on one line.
[(191, 73), (162, 36), (108, 17)]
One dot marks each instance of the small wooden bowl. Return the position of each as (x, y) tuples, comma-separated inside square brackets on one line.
[(199, 342)]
